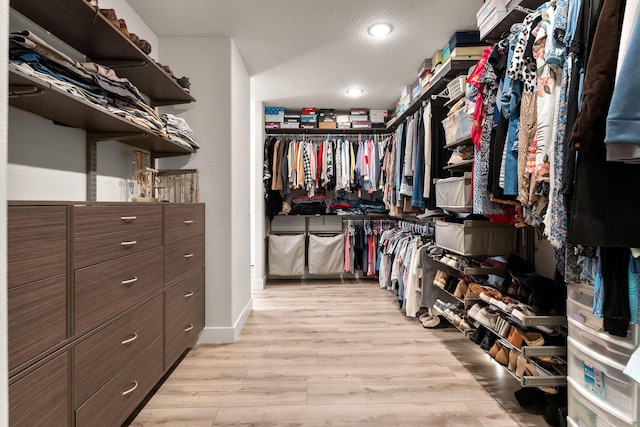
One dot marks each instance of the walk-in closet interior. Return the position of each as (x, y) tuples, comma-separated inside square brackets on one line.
[(311, 213)]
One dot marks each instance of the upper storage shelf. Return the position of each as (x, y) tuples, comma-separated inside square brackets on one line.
[(449, 70), (62, 107), (516, 11), (76, 23)]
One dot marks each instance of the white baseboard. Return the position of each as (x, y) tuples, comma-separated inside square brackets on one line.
[(258, 283), (226, 335)]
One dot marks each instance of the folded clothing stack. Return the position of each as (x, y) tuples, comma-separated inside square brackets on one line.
[(179, 130), (87, 80), (308, 206)]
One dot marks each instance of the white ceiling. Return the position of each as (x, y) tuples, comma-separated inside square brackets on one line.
[(306, 53)]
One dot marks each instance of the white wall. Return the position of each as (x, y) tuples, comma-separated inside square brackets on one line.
[(4, 365), (258, 218), (219, 119), (240, 189), (47, 161)]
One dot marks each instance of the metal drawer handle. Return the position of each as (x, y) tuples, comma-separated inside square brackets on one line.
[(188, 328), (188, 294), (188, 221), (129, 243), (128, 340), (127, 282), (128, 218), (188, 255), (135, 386)]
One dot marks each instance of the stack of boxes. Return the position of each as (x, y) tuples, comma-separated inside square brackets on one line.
[(490, 14), (308, 118), (291, 121), (359, 118), (312, 118), (273, 117), (327, 119)]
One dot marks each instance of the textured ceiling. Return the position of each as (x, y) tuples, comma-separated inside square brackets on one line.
[(308, 52)]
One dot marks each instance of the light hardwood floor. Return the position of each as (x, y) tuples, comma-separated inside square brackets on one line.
[(335, 354)]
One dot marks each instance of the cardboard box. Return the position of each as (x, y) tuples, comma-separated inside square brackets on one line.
[(358, 118), (272, 125), (464, 38), (313, 125), (379, 116), (424, 66), (359, 112), (436, 59), (361, 124), (290, 125), (327, 125), (308, 110), (342, 118), (308, 118), (273, 114), (468, 51), (292, 118), (343, 125)]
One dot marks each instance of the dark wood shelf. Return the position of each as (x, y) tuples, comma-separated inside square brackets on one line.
[(461, 141), (463, 165), (448, 71), (514, 15), (76, 23), (59, 106), (319, 131)]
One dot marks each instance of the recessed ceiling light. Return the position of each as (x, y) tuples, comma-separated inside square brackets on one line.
[(380, 29), (355, 91)]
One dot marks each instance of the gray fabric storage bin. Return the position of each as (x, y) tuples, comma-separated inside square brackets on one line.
[(454, 194), (286, 255), (326, 254), (476, 238)]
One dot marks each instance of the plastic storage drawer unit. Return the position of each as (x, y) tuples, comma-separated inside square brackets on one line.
[(602, 379), (584, 412), (476, 238)]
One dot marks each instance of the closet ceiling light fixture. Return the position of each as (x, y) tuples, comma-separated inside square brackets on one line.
[(355, 91), (380, 30)]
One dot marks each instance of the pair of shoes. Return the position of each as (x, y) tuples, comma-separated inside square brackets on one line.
[(518, 336), (461, 289), (500, 353), (484, 316), (440, 280), (513, 359), (521, 311), (503, 327), (184, 83), (435, 322)]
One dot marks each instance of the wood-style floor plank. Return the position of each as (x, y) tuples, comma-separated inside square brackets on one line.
[(337, 353)]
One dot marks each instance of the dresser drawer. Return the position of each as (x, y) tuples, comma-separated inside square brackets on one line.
[(183, 221), (182, 257), (104, 247), (41, 398), (184, 315), (104, 290), (102, 355), (97, 219), (37, 318), (37, 243), (114, 402)]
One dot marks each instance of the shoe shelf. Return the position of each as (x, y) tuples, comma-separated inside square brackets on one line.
[(37, 96), (451, 68), (462, 141), (544, 350), (472, 271), (539, 381), (466, 332), (515, 14), (84, 28), (452, 101), (462, 166)]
